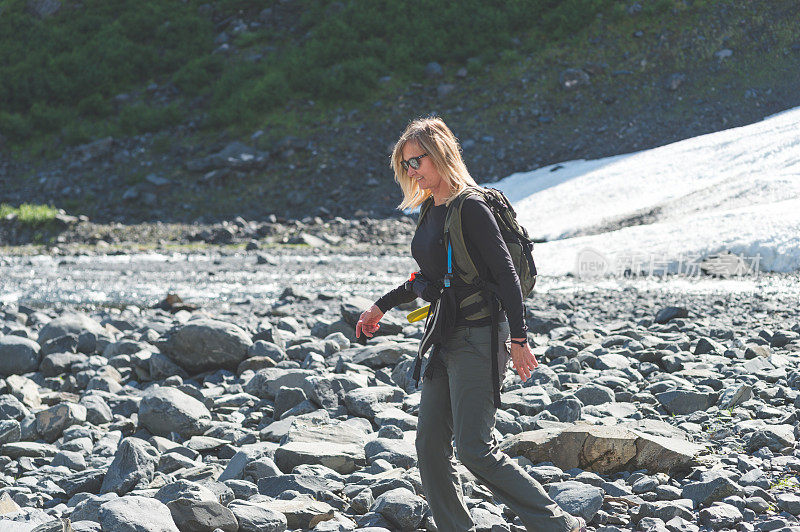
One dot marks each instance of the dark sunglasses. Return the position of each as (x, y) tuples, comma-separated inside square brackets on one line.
[(413, 162)]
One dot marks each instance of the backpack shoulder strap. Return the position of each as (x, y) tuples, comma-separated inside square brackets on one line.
[(463, 263), (423, 209)]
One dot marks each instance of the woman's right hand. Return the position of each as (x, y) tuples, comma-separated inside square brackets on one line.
[(368, 322)]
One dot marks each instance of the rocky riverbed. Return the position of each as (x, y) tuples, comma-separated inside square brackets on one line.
[(248, 405)]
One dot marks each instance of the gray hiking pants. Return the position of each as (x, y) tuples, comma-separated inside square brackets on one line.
[(457, 401)]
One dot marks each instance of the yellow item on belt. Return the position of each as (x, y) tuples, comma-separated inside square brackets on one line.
[(419, 314)]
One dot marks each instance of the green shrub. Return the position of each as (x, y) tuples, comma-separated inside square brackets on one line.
[(77, 132), (30, 214), (255, 98), (658, 7), (569, 16), (95, 105), (142, 118), (15, 126), (350, 80), (198, 75), (46, 118)]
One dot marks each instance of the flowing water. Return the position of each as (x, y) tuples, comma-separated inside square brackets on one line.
[(143, 279)]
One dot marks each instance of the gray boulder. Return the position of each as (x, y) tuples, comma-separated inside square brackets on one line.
[(97, 410), (330, 431), (253, 517), (161, 367), (184, 489), (664, 510), (63, 344), (25, 390), (59, 363), (245, 455), (30, 449), (397, 417), (315, 486), (262, 348), (18, 355), (680, 402), (301, 512), (266, 383), (206, 344), (164, 410), (260, 468), (401, 507), (720, 516), (51, 423), (242, 489), (670, 313), (12, 408), (594, 394), (366, 402), (486, 521), (567, 410), (73, 460), (775, 438), (134, 462), (789, 502), (707, 346), (136, 514), (709, 490), (286, 399), (9, 431), (70, 323), (343, 458), (202, 516), (577, 498), (379, 355), (88, 509), (398, 452), (735, 395), (529, 400), (234, 155)]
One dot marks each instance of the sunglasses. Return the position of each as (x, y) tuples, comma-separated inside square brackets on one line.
[(413, 162)]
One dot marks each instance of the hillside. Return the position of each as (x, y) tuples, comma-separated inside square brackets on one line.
[(172, 111)]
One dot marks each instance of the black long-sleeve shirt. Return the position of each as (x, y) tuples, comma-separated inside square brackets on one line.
[(485, 246)]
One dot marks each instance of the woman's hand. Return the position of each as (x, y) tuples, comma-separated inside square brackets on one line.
[(368, 322), (523, 359)]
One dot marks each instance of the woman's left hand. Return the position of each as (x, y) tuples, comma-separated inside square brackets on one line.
[(523, 359)]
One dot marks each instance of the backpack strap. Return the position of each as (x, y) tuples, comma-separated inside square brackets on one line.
[(495, 345), (465, 267), (423, 209)]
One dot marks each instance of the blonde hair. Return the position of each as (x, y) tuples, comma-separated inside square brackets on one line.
[(442, 147)]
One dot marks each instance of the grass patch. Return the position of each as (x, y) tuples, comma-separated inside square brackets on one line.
[(30, 214)]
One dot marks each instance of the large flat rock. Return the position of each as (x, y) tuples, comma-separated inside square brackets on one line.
[(344, 458), (603, 449)]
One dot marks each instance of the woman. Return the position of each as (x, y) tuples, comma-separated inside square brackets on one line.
[(457, 390)]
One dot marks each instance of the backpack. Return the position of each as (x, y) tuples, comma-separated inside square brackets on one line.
[(519, 244), (483, 301)]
